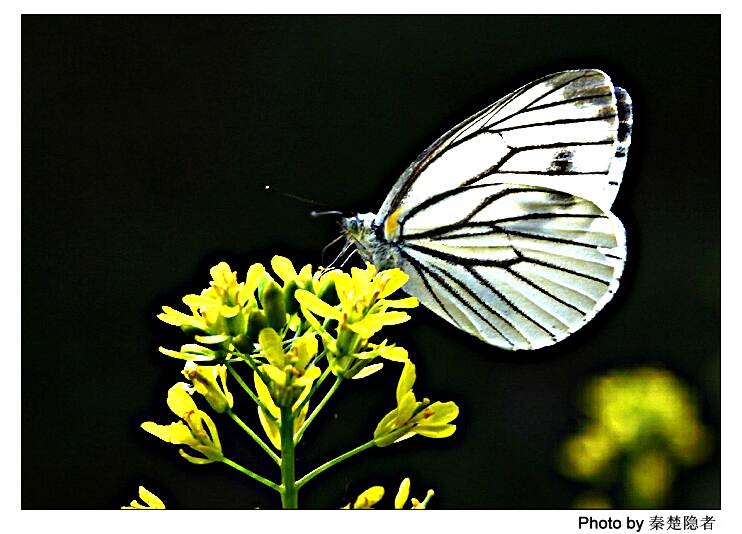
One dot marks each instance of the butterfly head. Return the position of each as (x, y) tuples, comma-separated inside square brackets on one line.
[(368, 237), (359, 229)]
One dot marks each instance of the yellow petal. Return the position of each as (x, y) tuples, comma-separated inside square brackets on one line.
[(179, 400), (275, 374), (307, 346), (150, 498), (368, 370), (369, 497), (306, 273), (406, 380), (252, 281), (270, 429), (405, 409), (435, 431), (374, 322), (315, 305), (284, 269), (409, 302), (306, 380), (271, 343), (222, 274), (395, 354), (402, 494), (440, 412), (176, 433), (397, 278)]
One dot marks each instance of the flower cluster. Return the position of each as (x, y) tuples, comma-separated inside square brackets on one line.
[(285, 331), (642, 424)]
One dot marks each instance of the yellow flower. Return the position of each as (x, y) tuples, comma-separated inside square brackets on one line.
[(219, 315), (363, 306), (417, 505), (204, 379), (270, 428), (367, 499), (288, 379), (287, 371), (151, 501), (192, 433), (373, 495), (412, 417), (320, 283), (361, 313)]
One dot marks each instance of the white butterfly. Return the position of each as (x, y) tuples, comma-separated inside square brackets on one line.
[(504, 223)]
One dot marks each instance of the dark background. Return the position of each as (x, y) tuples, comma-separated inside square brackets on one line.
[(146, 145)]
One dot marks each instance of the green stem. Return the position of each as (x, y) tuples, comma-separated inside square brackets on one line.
[(289, 490), (251, 474), (254, 436), (254, 397), (334, 387), (306, 478), (315, 387)]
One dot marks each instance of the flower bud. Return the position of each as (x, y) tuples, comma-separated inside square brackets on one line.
[(256, 321), (328, 293), (292, 306), (274, 306), (243, 343)]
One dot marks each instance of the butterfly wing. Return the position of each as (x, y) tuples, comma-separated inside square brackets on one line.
[(569, 131), (520, 267), (504, 223)]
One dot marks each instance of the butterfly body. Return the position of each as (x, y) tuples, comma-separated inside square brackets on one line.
[(504, 223)]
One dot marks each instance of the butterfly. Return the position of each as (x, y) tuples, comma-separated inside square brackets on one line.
[(504, 224)]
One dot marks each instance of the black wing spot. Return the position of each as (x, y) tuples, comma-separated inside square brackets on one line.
[(562, 162)]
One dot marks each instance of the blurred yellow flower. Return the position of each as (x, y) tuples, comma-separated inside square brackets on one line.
[(643, 421)]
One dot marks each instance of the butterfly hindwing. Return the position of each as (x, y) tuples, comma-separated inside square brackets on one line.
[(519, 266)]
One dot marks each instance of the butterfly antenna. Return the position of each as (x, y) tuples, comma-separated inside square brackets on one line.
[(320, 213), (302, 199)]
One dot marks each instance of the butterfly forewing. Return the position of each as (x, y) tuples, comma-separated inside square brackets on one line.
[(560, 132)]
